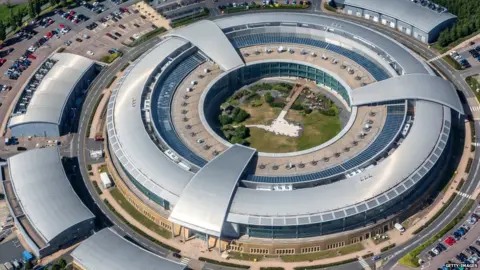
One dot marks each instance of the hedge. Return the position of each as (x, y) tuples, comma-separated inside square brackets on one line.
[(125, 66), (190, 19), (97, 188), (203, 259), (411, 259), (444, 207), (469, 165), (328, 7), (326, 265), (137, 230), (387, 247), (111, 81), (460, 184)]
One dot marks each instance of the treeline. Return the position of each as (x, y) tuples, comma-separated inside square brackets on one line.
[(468, 21)]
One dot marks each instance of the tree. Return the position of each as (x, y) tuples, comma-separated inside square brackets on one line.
[(38, 7), (268, 97), (62, 263), (31, 8), (3, 31), (241, 116), (28, 265), (225, 119), (52, 2)]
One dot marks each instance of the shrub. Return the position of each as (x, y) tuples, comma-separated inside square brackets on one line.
[(111, 81), (469, 165), (225, 119), (277, 104), (241, 116), (97, 188), (125, 66), (268, 97), (387, 247), (460, 184)]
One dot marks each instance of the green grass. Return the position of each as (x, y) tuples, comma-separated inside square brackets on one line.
[(474, 85), (132, 211), (323, 254), (452, 62), (328, 7), (109, 58), (317, 129), (411, 259), (469, 165), (5, 11), (190, 19), (444, 207), (318, 266), (89, 126), (137, 230), (245, 256), (203, 259), (125, 67), (147, 36)]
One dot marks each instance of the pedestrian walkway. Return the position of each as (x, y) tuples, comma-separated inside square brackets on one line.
[(185, 260), (468, 196), (436, 58), (364, 264)]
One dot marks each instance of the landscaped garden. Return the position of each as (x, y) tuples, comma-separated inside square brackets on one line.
[(249, 112)]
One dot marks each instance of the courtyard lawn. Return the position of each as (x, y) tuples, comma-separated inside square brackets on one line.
[(318, 128), (261, 115)]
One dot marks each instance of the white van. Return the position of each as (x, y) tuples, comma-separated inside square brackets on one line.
[(399, 227)]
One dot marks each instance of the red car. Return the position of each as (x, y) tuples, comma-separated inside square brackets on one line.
[(2, 61), (31, 56), (72, 12), (69, 17), (450, 241)]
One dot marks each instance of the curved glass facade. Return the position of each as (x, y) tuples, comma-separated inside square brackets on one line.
[(234, 80)]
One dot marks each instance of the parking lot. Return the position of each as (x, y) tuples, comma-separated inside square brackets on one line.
[(11, 250), (454, 247)]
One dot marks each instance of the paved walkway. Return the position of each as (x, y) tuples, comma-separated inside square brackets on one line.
[(97, 122)]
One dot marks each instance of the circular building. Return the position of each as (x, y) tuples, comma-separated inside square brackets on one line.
[(165, 141)]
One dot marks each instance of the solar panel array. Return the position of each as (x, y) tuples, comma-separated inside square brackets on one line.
[(268, 38), (162, 120), (393, 123)]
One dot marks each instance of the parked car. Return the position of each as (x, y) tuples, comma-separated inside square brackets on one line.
[(450, 241), (176, 255)]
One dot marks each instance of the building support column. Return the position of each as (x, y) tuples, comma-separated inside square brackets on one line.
[(182, 230), (173, 231), (220, 245), (206, 240)]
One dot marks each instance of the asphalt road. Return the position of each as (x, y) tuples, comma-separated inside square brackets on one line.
[(95, 90), (394, 254)]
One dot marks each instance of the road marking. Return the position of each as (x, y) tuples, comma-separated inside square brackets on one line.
[(435, 58), (465, 195), (364, 264), (185, 260), (475, 108)]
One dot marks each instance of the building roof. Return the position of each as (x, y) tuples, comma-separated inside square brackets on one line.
[(413, 86), (215, 45), (407, 11), (45, 195), (49, 100), (403, 56), (210, 191), (107, 250), (317, 204), (129, 138)]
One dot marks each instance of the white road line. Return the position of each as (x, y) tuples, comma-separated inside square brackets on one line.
[(468, 196), (475, 108), (364, 264)]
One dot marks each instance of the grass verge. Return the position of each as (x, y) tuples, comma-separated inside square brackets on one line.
[(328, 7), (109, 58), (323, 254), (411, 259), (134, 213), (97, 188), (444, 207), (469, 165), (246, 256), (325, 265), (452, 62), (137, 230), (190, 19), (203, 259), (253, 7), (89, 126), (474, 85), (111, 81), (147, 36)]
